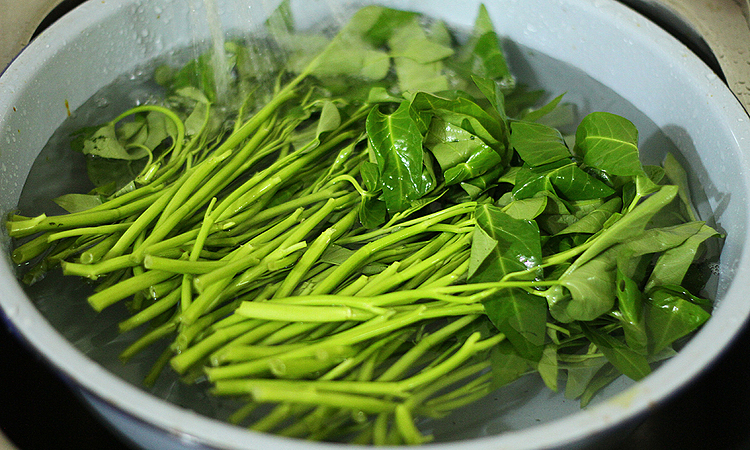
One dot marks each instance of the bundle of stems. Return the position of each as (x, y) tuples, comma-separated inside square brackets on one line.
[(248, 255)]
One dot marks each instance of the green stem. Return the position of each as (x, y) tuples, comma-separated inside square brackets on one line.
[(91, 217), (345, 269), (126, 288), (94, 271), (159, 307)]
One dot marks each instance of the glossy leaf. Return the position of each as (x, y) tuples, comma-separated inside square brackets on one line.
[(504, 245), (537, 144), (630, 308), (529, 181), (627, 361), (594, 221), (537, 114), (678, 176), (461, 155), (521, 316), (629, 226), (464, 113), (575, 184), (493, 92), (528, 208), (372, 212), (483, 54), (673, 264), (591, 290), (610, 143), (397, 143), (669, 317)]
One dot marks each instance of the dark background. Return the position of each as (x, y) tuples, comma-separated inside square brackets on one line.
[(39, 411)]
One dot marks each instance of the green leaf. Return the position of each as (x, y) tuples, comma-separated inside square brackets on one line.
[(507, 365), (522, 317), (104, 143), (630, 305), (370, 176), (591, 290), (536, 114), (502, 245), (351, 51), (379, 94), (670, 316), (529, 181), (594, 221), (281, 20), (575, 184), (73, 203), (628, 298), (537, 144), (548, 367), (580, 375), (678, 176), (410, 41), (328, 120), (528, 208), (482, 53), (627, 361), (159, 129), (198, 73), (387, 22), (603, 377), (610, 143), (673, 264), (562, 176), (461, 154), (478, 185), (372, 212), (492, 90), (197, 120), (657, 240), (397, 143), (628, 226), (466, 114), (112, 172)]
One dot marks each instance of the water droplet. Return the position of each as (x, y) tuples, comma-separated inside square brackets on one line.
[(101, 102)]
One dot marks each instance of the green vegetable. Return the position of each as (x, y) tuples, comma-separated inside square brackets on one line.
[(395, 232)]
